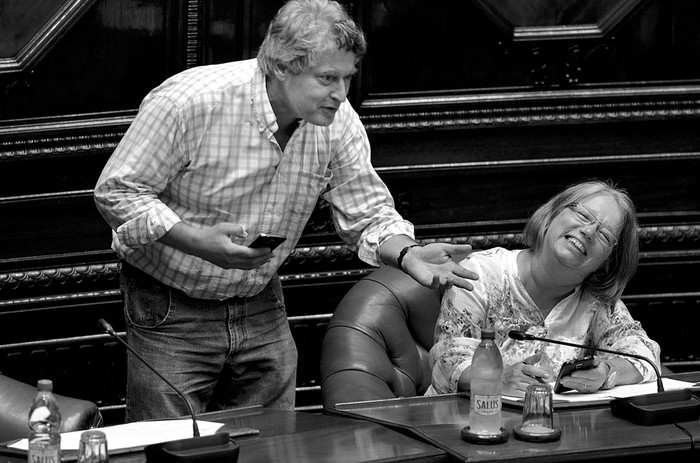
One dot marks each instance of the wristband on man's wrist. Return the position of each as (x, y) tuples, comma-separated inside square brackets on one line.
[(402, 254)]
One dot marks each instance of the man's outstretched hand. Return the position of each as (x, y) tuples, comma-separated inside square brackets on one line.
[(437, 265)]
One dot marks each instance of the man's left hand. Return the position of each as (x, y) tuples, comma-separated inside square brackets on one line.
[(437, 265)]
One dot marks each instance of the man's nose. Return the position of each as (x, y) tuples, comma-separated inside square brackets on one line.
[(340, 91)]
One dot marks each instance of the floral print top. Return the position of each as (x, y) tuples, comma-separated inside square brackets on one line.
[(499, 300)]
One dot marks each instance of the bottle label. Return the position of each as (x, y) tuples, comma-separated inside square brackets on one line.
[(44, 455), (486, 404)]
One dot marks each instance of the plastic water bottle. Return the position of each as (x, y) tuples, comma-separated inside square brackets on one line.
[(44, 422), (486, 387)]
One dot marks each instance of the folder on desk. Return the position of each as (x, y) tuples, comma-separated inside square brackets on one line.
[(132, 437), (570, 399)]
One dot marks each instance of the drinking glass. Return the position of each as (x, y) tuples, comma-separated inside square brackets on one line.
[(538, 415), (93, 447)]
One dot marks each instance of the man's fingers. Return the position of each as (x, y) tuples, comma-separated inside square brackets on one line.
[(462, 283), (464, 273), (462, 276)]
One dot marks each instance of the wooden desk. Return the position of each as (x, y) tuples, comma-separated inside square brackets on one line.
[(302, 437), (591, 433), (287, 436)]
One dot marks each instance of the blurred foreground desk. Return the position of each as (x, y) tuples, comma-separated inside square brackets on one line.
[(588, 433), (289, 437)]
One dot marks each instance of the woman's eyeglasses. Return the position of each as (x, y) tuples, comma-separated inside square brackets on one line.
[(586, 217)]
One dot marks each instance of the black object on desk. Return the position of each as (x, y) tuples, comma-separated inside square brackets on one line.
[(218, 448), (660, 408)]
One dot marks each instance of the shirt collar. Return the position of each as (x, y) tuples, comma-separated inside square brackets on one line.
[(264, 114)]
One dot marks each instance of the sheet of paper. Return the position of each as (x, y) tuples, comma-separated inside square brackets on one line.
[(614, 393), (139, 434)]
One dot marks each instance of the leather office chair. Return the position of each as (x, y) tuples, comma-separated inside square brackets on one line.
[(16, 398), (377, 342)]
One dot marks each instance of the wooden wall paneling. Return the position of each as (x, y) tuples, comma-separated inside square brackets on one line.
[(506, 192), (27, 35), (672, 322), (58, 316), (493, 110), (663, 275), (481, 67), (233, 30), (56, 224), (105, 60), (577, 138)]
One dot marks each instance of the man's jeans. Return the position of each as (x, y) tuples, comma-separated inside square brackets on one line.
[(220, 354)]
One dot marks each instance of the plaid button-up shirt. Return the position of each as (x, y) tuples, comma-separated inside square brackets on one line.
[(202, 150)]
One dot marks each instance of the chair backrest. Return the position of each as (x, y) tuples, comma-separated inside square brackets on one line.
[(16, 398), (377, 342)]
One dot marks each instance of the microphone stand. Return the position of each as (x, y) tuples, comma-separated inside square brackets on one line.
[(519, 335), (217, 448), (108, 328), (648, 409)]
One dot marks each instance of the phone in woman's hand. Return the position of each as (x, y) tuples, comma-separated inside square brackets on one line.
[(569, 367)]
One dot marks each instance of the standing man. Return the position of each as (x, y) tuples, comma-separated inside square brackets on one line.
[(216, 155)]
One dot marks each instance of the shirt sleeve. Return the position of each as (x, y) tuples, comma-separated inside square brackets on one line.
[(615, 329), (147, 157), (361, 204), (457, 333)]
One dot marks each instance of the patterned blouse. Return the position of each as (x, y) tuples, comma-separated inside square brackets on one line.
[(499, 300)]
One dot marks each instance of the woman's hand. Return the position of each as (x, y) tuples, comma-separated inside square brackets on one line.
[(588, 380), (516, 378)]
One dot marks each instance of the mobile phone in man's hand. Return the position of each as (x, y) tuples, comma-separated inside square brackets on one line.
[(265, 240), (569, 367)]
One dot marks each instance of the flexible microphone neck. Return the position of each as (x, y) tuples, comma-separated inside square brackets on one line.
[(522, 336), (109, 330)]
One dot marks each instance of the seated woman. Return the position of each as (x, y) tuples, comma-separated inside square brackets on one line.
[(583, 248)]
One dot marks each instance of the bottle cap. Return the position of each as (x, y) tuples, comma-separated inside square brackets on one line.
[(45, 385), (488, 333)]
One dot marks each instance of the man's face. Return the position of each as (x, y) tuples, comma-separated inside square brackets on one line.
[(315, 94)]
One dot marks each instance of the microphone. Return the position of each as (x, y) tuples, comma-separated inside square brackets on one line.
[(109, 330), (215, 448), (648, 409)]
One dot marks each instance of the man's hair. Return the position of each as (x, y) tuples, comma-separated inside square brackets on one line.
[(609, 281), (302, 29)]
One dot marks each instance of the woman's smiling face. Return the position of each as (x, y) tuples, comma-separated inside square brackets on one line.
[(577, 235)]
